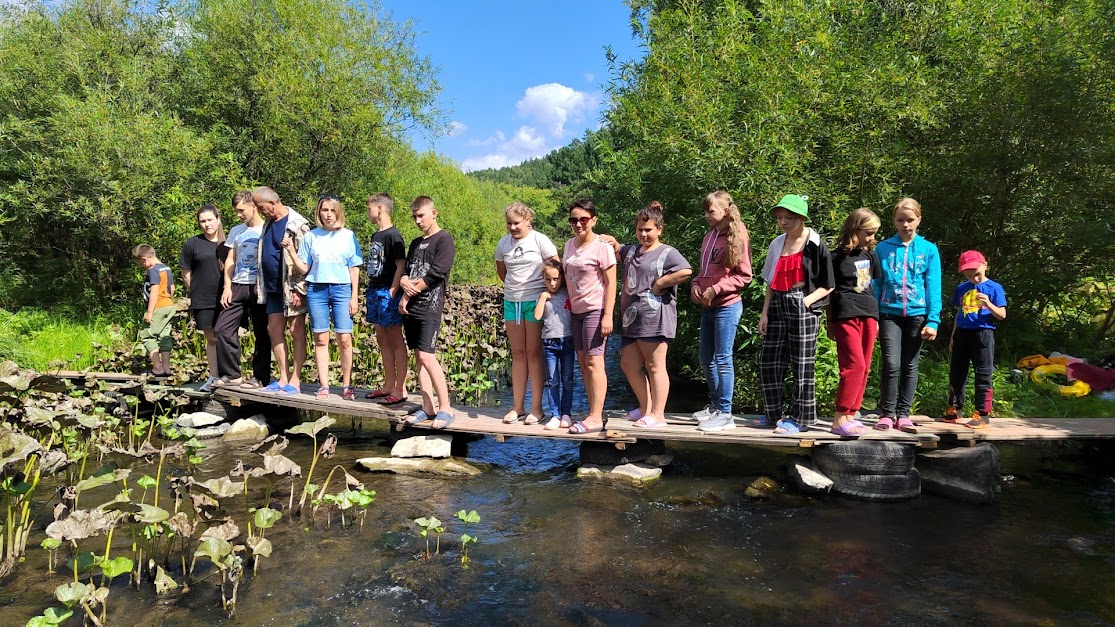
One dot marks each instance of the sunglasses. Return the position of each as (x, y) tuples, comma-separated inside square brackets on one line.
[(582, 220), (328, 197)]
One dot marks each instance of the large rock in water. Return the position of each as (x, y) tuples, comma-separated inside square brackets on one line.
[(198, 419), (968, 474), (437, 445), (805, 477), (419, 467), (254, 428), (638, 475)]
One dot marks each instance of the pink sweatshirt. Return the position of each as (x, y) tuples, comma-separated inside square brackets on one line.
[(726, 282)]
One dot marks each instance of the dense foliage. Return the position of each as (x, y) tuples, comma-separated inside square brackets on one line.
[(118, 119)]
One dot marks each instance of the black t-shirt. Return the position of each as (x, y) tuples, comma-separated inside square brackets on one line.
[(854, 296), (430, 258), (386, 248), (201, 258)]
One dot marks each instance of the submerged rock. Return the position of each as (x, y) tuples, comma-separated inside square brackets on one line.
[(969, 474), (216, 431), (762, 488), (437, 446), (198, 419), (805, 477), (704, 498), (660, 461), (637, 475), (254, 428), (417, 467)]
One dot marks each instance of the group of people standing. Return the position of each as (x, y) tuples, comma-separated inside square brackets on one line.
[(273, 268)]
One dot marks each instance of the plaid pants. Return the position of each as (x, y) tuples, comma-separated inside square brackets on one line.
[(791, 339)]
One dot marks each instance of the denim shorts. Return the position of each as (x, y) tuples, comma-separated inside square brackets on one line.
[(329, 301), (519, 311), (382, 309)]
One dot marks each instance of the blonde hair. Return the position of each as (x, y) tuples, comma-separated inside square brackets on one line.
[(337, 207), (520, 210), (384, 199), (908, 203), (860, 219), (144, 251), (723, 200)]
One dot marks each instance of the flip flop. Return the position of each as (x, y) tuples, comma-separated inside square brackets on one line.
[(290, 390), (272, 387), (417, 417), (648, 422), (886, 423), (532, 420), (785, 427), (579, 427), (846, 430), (376, 394), (511, 417), (390, 399), (758, 423), (444, 416)]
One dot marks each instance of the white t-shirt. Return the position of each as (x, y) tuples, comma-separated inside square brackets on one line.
[(523, 259), (244, 241)]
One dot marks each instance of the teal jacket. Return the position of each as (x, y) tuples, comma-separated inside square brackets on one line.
[(911, 283)]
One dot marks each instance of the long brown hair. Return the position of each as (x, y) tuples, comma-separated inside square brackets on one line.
[(723, 199), (216, 213), (862, 218)]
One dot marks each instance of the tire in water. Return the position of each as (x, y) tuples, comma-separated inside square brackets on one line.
[(877, 487), (865, 458)]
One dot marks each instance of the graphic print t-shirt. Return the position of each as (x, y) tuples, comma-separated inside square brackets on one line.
[(644, 313), (244, 242), (430, 258), (584, 273), (158, 282), (384, 250), (556, 319), (854, 296), (971, 313), (523, 260)]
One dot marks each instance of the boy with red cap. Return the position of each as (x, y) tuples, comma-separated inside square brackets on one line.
[(980, 303)]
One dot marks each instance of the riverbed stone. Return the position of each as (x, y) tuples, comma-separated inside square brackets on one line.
[(254, 428), (637, 475), (969, 474), (660, 461), (762, 488), (215, 431), (437, 446), (806, 477), (420, 466), (198, 419)]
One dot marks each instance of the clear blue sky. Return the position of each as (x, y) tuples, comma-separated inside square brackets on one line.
[(519, 79)]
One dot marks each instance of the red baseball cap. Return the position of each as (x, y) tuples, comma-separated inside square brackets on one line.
[(971, 259)]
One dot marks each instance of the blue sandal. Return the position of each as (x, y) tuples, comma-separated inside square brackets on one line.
[(785, 427), (417, 417)]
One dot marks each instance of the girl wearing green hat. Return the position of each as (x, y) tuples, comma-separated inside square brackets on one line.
[(798, 272)]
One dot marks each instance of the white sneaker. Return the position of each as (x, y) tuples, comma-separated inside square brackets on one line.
[(718, 422), (704, 414)]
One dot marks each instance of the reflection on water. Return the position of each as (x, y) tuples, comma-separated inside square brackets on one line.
[(690, 550)]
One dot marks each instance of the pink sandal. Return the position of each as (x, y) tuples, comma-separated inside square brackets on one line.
[(886, 423), (648, 422)]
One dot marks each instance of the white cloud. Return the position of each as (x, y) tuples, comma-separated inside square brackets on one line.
[(554, 104), (527, 143), (456, 129)]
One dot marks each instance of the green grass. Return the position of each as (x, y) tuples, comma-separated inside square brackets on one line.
[(39, 340)]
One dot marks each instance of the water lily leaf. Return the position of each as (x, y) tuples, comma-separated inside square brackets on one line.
[(121, 504), (470, 517), (153, 396), (53, 461), (215, 549), (73, 592), (104, 478), (39, 417), (51, 544), (181, 524), (14, 383), (99, 595), (52, 616), (8, 367), (163, 582), (281, 465), (146, 482), (151, 514), (15, 447), (467, 539), (272, 445), (117, 566), (260, 546), (87, 421), (85, 562), (49, 383), (81, 524), (226, 531), (265, 517), (328, 447), (223, 487), (312, 428), (352, 482)]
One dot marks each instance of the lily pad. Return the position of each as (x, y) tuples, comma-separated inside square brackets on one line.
[(103, 479), (223, 487), (265, 517), (312, 428), (115, 567), (51, 616), (213, 548), (271, 445), (86, 562), (16, 447), (281, 465), (81, 524), (260, 546), (226, 531), (74, 592), (39, 417), (15, 383), (151, 514), (181, 524), (49, 383), (163, 582)]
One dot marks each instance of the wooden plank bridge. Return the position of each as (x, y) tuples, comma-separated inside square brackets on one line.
[(926, 433)]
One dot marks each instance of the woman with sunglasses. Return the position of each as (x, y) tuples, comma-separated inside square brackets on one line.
[(330, 258), (590, 278)]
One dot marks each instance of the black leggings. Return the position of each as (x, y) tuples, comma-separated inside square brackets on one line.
[(227, 332)]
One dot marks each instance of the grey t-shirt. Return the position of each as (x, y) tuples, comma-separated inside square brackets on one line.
[(644, 313), (556, 317)]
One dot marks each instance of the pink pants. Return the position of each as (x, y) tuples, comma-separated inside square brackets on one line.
[(855, 339)]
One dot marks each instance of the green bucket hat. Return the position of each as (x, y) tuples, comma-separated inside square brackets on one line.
[(794, 204)]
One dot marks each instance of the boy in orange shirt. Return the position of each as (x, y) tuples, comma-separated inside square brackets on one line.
[(158, 290)]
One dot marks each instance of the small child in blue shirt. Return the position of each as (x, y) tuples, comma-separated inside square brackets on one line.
[(980, 303)]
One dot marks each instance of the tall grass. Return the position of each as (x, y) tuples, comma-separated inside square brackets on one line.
[(41, 340)]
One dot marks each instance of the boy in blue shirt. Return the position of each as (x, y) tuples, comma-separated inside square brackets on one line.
[(981, 303)]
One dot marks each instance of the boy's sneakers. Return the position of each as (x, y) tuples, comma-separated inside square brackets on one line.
[(951, 416), (978, 421), (718, 421), (704, 414)]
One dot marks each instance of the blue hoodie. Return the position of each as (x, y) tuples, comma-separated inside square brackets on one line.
[(911, 283)]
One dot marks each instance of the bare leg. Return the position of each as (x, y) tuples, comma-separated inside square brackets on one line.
[(344, 346), (321, 356), (298, 339), (631, 361), (536, 366), (516, 336), (386, 358), (435, 377), (582, 361), (598, 380), (654, 356), (425, 384), (399, 350), (276, 331)]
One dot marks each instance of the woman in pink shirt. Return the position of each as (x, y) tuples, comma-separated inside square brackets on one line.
[(590, 279), (725, 270)]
